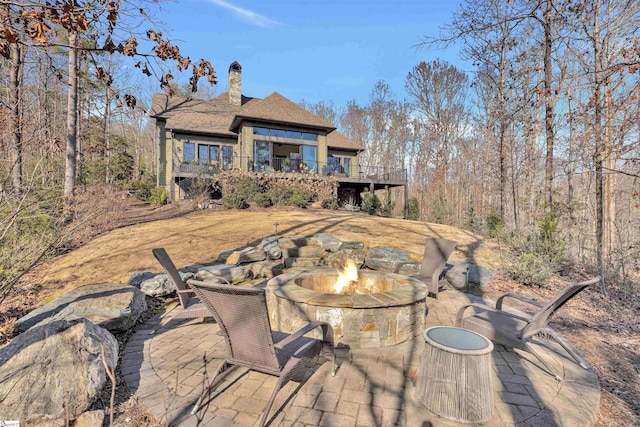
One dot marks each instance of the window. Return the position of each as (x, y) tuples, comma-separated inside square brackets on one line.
[(261, 131), (261, 155), (341, 165), (214, 153), (333, 165), (203, 154), (208, 153), (346, 165), (310, 136), (227, 157), (189, 151), (279, 133), (310, 157)]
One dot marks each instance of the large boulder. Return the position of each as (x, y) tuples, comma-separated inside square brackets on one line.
[(244, 256), (271, 247), (115, 307), (328, 242), (339, 258), (386, 258), (230, 272), (157, 284), (464, 273), (41, 366)]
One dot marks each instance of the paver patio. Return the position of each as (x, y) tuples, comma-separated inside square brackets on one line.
[(167, 363)]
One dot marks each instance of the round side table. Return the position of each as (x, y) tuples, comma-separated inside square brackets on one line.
[(454, 380)]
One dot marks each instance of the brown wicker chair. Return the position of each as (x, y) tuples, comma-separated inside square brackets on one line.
[(241, 312), (190, 307), (436, 253), (518, 330)]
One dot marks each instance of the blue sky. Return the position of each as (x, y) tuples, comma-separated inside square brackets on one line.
[(310, 49)]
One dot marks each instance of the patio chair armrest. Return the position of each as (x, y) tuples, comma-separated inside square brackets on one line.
[(459, 316), (327, 334), (532, 301), (185, 291)]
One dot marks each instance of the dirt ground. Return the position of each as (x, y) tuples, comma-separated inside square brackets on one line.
[(604, 328)]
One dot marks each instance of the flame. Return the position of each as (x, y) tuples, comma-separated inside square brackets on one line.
[(348, 275)]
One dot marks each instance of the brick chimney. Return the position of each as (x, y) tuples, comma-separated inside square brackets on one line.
[(235, 83)]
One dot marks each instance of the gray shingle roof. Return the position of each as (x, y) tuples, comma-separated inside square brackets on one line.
[(218, 116), (277, 108)]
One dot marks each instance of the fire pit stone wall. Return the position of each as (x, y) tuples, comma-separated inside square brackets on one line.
[(378, 319)]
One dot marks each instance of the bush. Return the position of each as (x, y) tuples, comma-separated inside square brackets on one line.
[(370, 203), (530, 269), (494, 223), (414, 209), (158, 196), (387, 205), (299, 199), (248, 188), (141, 188), (263, 200), (234, 201), (330, 204), (280, 193)]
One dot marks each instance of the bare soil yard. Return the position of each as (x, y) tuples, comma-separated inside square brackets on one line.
[(605, 329)]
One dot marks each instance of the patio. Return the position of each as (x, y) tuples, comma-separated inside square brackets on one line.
[(165, 361)]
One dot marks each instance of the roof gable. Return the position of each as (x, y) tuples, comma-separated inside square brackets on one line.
[(277, 108)]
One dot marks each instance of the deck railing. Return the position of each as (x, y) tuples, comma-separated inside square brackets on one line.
[(278, 164)]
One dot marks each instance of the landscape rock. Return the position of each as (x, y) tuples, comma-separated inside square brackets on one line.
[(271, 247), (386, 258), (328, 242), (159, 284), (265, 269), (352, 245), (39, 367), (113, 306), (137, 277), (465, 272), (227, 271), (302, 251), (339, 258), (90, 419), (301, 262), (246, 255)]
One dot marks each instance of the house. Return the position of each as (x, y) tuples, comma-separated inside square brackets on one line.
[(201, 138)]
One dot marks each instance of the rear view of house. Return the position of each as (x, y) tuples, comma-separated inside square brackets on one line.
[(232, 131)]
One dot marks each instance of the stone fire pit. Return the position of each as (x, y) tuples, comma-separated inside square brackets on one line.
[(385, 309)]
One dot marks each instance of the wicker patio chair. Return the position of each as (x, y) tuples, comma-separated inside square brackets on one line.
[(190, 307), (436, 253), (241, 312), (519, 330)]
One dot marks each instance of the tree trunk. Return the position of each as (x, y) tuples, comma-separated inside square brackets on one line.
[(15, 120), (107, 135), (598, 154), (549, 103), (72, 122)]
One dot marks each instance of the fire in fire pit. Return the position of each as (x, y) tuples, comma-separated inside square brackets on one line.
[(366, 308), (347, 282)]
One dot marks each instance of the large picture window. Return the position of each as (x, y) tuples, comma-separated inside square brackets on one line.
[(261, 155), (310, 157)]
